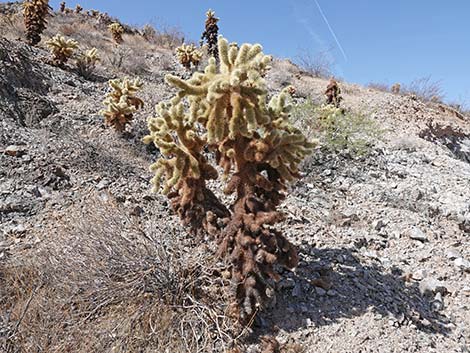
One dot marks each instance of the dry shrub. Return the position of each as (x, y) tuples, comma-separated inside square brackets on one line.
[(318, 65), (425, 89), (12, 26), (123, 286), (378, 86)]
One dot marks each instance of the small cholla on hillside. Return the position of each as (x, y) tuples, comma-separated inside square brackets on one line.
[(35, 13), (121, 103), (117, 31), (61, 49), (225, 110), (211, 34), (188, 55), (395, 88), (87, 61), (333, 93)]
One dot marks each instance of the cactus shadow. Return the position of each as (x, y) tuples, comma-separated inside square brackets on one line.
[(356, 289)]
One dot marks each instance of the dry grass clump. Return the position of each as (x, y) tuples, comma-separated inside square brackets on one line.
[(318, 65), (425, 89), (122, 286)]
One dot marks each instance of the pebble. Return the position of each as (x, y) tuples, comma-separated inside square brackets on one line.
[(432, 286), (14, 151), (417, 234), (462, 264), (453, 254)]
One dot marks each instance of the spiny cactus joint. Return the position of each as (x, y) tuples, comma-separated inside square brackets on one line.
[(225, 110)]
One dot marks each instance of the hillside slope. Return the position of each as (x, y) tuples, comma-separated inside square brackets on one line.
[(387, 234)]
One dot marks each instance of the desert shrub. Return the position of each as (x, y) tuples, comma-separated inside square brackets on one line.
[(225, 111), (336, 129), (425, 89), (378, 86), (121, 103), (124, 285), (318, 65), (117, 31), (211, 34), (188, 55), (35, 13), (86, 62), (149, 33), (61, 49)]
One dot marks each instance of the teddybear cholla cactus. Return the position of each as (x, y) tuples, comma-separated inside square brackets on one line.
[(225, 111), (62, 6), (121, 103), (188, 55), (61, 49), (116, 30), (34, 13), (395, 89), (211, 34), (87, 61)]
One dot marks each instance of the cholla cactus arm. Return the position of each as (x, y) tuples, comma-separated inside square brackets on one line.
[(121, 103), (35, 13), (61, 49)]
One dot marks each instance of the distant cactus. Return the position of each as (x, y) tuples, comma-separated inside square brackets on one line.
[(94, 13), (116, 30), (86, 62), (78, 9), (225, 110), (62, 7), (333, 93), (211, 34), (61, 49), (121, 103), (188, 55), (35, 13), (395, 88)]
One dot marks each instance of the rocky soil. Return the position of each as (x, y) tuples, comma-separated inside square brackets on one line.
[(384, 239)]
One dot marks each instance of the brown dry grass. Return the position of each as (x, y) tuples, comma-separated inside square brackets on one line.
[(101, 282)]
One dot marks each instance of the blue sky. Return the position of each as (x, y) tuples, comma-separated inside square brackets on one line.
[(377, 41)]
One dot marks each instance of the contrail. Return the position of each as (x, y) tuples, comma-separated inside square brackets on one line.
[(331, 30)]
